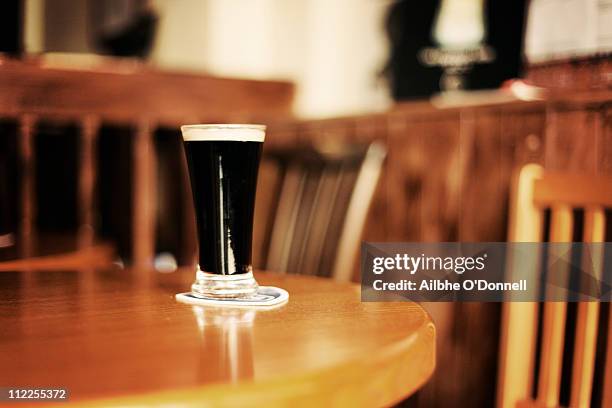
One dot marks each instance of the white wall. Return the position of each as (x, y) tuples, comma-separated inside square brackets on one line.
[(332, 49)]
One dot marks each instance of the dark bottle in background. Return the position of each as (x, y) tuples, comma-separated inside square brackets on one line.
[(11, 27)]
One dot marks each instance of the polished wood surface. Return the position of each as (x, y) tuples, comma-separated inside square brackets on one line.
[(119, 340)]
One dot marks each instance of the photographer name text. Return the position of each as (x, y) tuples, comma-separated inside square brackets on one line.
[(446, 286)]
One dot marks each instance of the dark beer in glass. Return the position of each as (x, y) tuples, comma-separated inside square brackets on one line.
[(223, 163)]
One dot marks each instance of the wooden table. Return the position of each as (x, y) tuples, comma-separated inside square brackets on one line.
[(120, 338)]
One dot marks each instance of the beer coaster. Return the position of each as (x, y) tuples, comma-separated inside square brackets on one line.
[(264, 297)]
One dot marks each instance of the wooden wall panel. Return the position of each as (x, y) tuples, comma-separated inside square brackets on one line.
[(571, 140), (488, 156), (281, 134), (422, 190), (333, 132), (403, 189), (441, 179), (604, 153), (526, 132)]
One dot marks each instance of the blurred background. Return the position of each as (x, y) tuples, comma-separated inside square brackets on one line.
[(387, 121)]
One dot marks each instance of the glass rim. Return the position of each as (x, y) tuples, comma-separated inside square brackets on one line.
[(213, 126), (224, 132)]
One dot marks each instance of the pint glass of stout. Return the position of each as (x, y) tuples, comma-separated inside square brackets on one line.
[(223, 162)]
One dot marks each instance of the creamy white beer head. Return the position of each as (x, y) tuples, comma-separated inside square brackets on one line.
[(224, 132)]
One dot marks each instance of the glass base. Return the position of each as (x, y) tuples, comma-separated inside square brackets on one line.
[(266, 297), (211, 285)]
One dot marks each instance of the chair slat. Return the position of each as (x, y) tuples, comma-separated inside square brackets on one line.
[(304, 221), (284, 224), (519, 328), (144, 196), (348, 177), (189, 250), (87, 179), (330, 186), (357, 210), (587, 319), (28, 192), (268, 186), (607, 381), (554, 317)]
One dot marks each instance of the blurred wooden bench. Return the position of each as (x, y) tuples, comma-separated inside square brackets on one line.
[(129, 94)]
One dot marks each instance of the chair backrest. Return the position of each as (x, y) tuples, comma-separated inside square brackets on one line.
[(321, 202), (524, 324)]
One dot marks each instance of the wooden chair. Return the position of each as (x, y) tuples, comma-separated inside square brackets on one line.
[(534, 192), (321, 202)]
